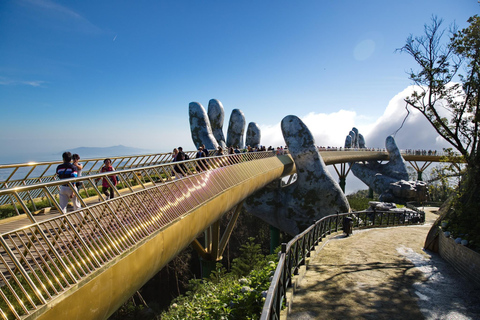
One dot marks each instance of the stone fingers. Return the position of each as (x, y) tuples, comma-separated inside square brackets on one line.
[(253, 135), (207, 129), (396, 167), (200, 127), (216, 116), (236, 129)]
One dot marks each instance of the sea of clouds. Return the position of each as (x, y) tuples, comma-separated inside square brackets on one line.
[(331, 129)]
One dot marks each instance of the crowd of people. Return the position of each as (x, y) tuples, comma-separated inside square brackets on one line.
[(421, 152)]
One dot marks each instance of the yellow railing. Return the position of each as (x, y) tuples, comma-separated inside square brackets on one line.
[(24, 174)]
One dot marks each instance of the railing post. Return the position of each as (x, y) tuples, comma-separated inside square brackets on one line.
[(336, 223)]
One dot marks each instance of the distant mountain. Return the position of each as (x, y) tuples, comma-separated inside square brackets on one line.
[(88, 152)]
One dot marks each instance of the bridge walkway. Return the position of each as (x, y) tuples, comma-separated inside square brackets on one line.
[(382, 274)]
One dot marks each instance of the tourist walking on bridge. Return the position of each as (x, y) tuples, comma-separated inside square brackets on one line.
[(180, 156), (64, 171), (106, 188)]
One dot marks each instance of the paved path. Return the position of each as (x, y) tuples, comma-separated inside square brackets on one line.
[(383, 274)]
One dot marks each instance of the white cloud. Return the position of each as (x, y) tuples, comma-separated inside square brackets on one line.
[(9, 82), (331, 129), (327, 129), (416, 132), (64, 17)]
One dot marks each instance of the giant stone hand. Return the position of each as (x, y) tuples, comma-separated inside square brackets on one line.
[(293, 208), (207, 129), (374, 174), (313, 195)]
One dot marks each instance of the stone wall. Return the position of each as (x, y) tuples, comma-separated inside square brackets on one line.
[(463, 259)]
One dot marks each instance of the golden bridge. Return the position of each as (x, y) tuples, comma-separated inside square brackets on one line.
[(85, 264)]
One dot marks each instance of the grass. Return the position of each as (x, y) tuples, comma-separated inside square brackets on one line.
[(359, 200)]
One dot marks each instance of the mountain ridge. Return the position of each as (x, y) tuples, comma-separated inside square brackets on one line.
[(119, 150)]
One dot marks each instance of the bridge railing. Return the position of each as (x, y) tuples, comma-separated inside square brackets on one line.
[(25, 174), (46, 258), (295, 253), (91, 167)]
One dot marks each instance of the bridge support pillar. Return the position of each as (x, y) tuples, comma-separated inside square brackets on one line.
[(215, 243), (419, 168), (207, 266), (274, 239), (370, 193), (342, 174), (342, 182)]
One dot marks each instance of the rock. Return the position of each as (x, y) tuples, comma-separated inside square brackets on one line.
[(404, 214), (381, 206), (403, 191)]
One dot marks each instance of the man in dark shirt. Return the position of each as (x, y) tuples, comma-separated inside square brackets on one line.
[(64, 171), (178, 168)]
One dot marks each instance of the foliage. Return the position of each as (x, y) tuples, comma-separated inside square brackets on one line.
[(8, 210), (227, 295), (444, 179), (359, 200), (452, 108), (250, 257)]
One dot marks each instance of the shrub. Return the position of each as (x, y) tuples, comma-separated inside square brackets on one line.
[(227, 295)]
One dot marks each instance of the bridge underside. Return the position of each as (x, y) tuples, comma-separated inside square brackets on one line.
[(105, 290)]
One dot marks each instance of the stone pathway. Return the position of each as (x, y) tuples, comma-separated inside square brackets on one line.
[(383, 274)]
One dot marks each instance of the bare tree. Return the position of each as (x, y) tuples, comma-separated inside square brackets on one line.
[(451, 107), (447, 94)]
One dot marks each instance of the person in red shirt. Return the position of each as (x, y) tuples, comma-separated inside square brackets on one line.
[(106, 188)]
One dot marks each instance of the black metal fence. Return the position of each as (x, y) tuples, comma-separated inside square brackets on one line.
[(295, 253)]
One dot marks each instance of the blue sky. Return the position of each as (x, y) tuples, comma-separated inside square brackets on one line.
[(104, 73)]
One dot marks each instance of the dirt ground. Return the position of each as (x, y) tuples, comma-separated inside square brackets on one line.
[(383, 274)]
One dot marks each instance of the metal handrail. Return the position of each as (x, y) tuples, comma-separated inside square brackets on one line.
[(131, 179), (48, 257), (294, 254), (22, 174)]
